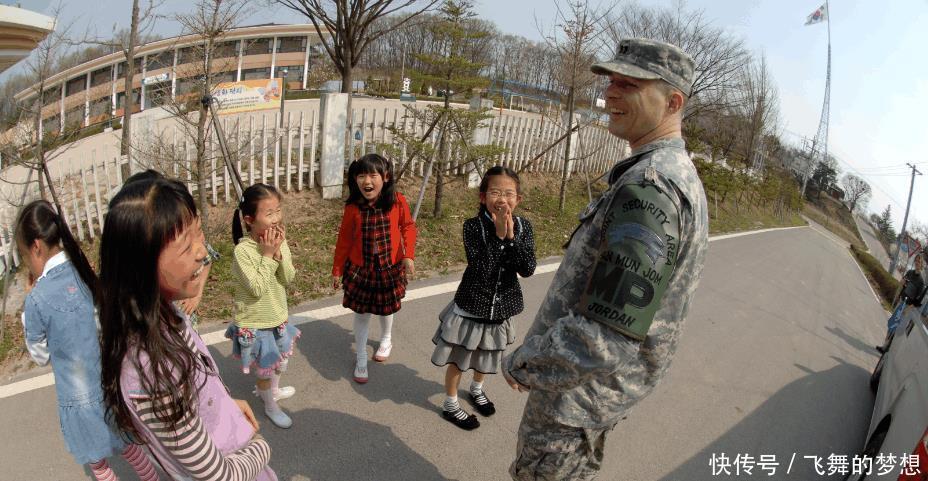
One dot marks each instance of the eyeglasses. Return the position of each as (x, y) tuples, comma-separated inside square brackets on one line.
[(508, 195)]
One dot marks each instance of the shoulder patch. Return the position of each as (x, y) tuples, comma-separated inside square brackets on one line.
[(637, 256)]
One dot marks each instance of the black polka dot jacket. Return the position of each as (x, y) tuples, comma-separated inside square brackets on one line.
[(489, 288)]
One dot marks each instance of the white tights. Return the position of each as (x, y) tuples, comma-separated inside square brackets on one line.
[(362, 326)]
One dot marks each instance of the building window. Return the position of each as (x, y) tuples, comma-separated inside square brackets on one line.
[(256, 73), (76, 85), (100, 107), (185, 86), (258, 46), (188, 54), (74, 118), (223, 77), (291, 44), (157, 95), (290, 73), (52, 95), (101, 76), (225, 49), (159, 61), (121, 69), (51, 124), (121, 98)]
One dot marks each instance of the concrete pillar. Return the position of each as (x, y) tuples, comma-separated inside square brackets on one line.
[(241, 54), (481, 137), (273, 56), (306, 61), (87, 101), (333, 112)]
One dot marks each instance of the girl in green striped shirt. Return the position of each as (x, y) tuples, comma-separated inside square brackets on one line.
[(262, 268)]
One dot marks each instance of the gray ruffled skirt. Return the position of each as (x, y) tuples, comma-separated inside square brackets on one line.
[(469, 344)]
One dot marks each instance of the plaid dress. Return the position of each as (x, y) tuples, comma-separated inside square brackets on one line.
[(377, 287)]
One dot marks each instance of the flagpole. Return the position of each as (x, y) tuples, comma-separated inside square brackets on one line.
[(820, 141)]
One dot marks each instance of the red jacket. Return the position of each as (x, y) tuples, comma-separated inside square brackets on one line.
[(402, 236)]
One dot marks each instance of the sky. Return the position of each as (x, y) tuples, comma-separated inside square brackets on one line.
[(879, 76)]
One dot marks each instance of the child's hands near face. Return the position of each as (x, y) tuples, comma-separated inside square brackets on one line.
[(266, 244), (280, 233), (500, 213), (510, 226)]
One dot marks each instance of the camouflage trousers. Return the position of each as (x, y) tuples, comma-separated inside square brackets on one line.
[(550, 451)]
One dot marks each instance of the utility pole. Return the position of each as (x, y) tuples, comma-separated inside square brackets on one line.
[(905, 220)]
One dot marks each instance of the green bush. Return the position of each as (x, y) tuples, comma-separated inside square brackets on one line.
[(886, 283)]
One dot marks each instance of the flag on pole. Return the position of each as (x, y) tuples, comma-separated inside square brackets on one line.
[(819, 15)]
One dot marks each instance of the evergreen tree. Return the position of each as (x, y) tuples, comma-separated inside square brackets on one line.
[(452, 68)]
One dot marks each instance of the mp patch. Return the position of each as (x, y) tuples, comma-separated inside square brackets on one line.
[(637, 255)]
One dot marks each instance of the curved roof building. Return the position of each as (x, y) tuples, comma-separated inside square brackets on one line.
[(94, 91)]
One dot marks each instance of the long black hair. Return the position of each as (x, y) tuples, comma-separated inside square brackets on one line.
[(249, 206), (370, 164), (38, 220), (143, 218)]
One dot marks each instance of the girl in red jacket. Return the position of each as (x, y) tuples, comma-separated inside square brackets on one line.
[(374, 253)]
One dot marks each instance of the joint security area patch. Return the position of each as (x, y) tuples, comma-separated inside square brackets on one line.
[(637, 255)]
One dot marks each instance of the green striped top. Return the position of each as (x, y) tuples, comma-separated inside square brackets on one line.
[(260, 287)]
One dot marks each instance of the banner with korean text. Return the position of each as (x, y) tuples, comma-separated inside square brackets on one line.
[(248, 95)]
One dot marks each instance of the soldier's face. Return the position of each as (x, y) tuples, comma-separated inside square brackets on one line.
[(636, 107)]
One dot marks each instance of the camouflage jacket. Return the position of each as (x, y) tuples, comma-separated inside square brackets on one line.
[(590, 372)]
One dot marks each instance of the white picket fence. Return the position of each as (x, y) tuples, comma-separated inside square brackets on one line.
[(85, 187)]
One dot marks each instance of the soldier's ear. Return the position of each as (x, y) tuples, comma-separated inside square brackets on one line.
[(675, 101)]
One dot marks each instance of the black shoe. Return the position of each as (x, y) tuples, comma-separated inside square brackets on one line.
[(483, 405), (461, 419), (880, 349)]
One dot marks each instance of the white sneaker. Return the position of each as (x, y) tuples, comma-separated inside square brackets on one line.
[(383, 352), (282, 393), (279, 418), (360, 373)]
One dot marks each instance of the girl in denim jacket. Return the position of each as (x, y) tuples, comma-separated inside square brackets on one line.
[(61, 328)]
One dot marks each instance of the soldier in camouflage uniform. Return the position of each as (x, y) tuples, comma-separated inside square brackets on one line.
[(608, 327)]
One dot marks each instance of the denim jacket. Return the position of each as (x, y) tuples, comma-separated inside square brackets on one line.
[(59, 312)]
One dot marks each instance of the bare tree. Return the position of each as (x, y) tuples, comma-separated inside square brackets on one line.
[(198, 71), (350, 26), (856, 190), (29, 145), (573, 41), (717, 55), (141, 24), (758, 105)]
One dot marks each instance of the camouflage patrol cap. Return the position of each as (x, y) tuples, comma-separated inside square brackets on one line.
[(649, 59)]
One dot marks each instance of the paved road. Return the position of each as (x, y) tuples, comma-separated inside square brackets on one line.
[(774, 361), (876, 248)]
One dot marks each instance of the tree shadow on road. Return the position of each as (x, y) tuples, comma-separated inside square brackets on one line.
[(334, 360), (335, 445), (791, 421)]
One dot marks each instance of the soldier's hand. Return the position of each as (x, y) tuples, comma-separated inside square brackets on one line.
[(513, 383)]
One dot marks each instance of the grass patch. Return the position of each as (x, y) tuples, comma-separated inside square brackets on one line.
[(726, 217), (835, 217), (12, 345), (886, 285)]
